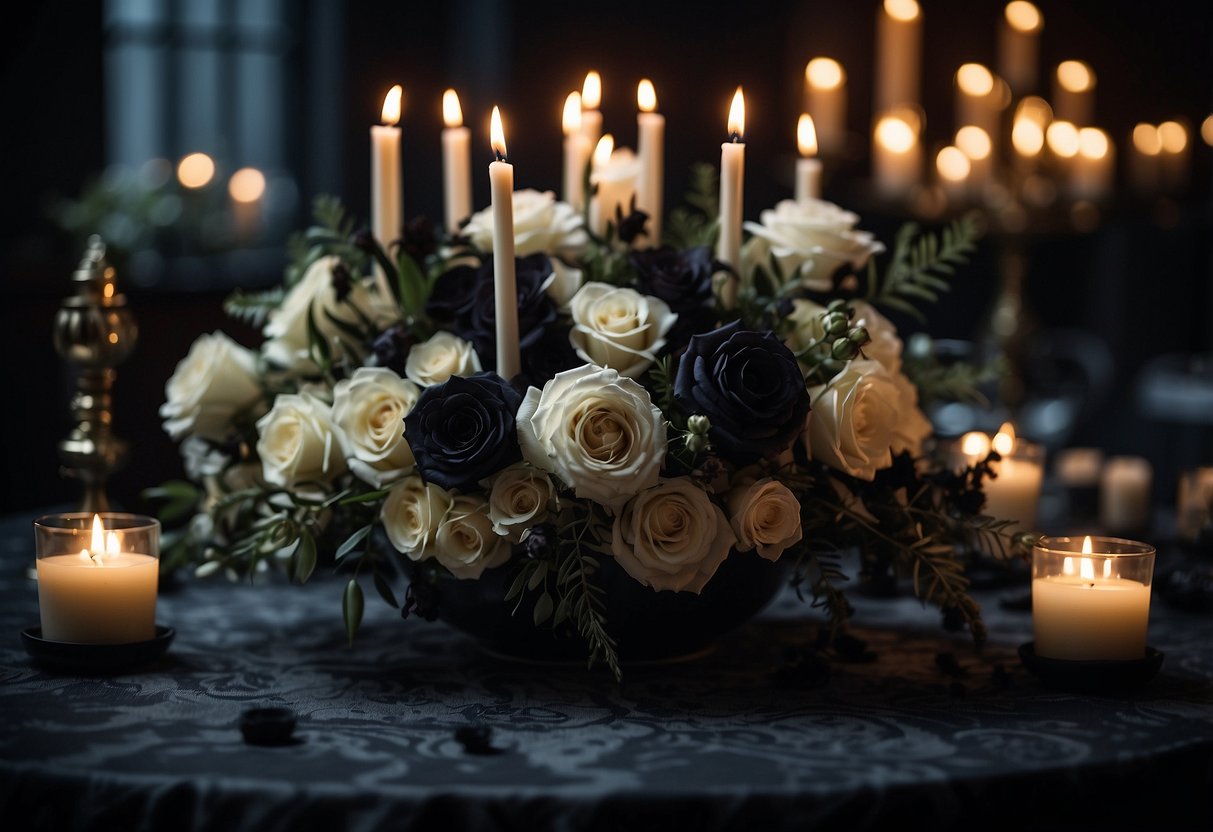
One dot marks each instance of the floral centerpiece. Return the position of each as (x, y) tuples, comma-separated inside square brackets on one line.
[(660, 426)]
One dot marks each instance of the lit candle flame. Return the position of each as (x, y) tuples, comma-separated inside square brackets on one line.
[(603, 151), (824, 73), (1107, 568), (1086, 569), (1075, 76), (952, 164), (1086, 545), (806, 135), (646, 96), (195, 170), (98, 544), (1173, 136), (1206, 130), (1062, 137), (975, 443), (497, 134), (903, 10), (246, 185), (1147, 140), (1093, 143), (975, 80), (112, 544), (1004, 442), (391, 105), (737, 117), (1027, 136), (1023, 16), (973, 142), (591, 90), (452, 113), (570, 119), (895, 133)]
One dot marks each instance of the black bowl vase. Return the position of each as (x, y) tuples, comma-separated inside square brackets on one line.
[(646, 625)]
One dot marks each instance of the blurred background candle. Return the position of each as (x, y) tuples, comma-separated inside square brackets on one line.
[(978, 98), (1144, 162), (1015, 494), (898, 53), (591, 100), (615, 176), (1074, 93), (1173, 155), (1124, 494), (501, 189), (246, 187), (1019, 46), (1094, 166), (650, 147), (732, 184), (456, 162), (1194, 503), (97, 577), (387, 200), (896, 153), (577, 150), (953, 168), (808, 166), (1091, 598), (1028, 126), (976, 145), (826, 101)]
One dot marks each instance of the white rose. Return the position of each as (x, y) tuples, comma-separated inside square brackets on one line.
[(216, 380), (672, 536), (597, 431), (618, 327), (298, 442), (885, 345), (541, 224), (853, 420), (286, 330), (519, 499), (442, 356), (465, 541), (369, 407), (810, 239), (564, 282), (765, 515), (411, 514), (913, 428)]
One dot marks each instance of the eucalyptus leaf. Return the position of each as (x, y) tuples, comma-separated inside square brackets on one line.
[(352, 541), (351, 608), (305, 557)]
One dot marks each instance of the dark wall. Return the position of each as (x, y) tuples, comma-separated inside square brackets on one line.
[(1140, 285)]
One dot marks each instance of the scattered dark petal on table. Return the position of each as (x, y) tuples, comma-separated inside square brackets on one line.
[(477, 739), (268, 726)]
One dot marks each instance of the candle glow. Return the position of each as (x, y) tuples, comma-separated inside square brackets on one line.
[(452, 113), (1206, 130), (497, 134), (824, 73), (737, 117), (603, 151), (246, 185), (973, 142), (392, 105), (953, 165), (1173, 136), (591, 90), (570, 118), (903, 10), (646, 96), (195, 170), (975, 443), (1093, 143), (806, 136), (1062, 137), (1075, 76), (1023, 16), (975, 80), (895, 133), (1004, 442), (1146, 139)]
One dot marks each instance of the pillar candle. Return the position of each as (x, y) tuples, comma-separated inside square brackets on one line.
[(826, 101), (953, 168), (1019, 45), (591, 99), (650, 147), (1015, 494), (1173, 158), (977, 146), (898, 53), (387, 202), (808, 168), (1144, 163), (576, 152), (456, 163), (501, 190), (1074, 92), (978, 98), (896, 154), (732, 184), (1094, 166), (1124, 494)]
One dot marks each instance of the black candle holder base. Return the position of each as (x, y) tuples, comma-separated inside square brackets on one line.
[(66, 655), (1095, 677)]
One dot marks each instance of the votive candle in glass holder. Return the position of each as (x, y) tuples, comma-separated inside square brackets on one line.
[(1091, 598), (97, 577)]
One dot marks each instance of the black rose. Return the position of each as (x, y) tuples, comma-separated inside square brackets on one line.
[(551, 354), (391, 348), (682, 278), (749, 386), (462, 430)]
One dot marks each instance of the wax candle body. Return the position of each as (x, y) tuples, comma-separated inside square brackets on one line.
[(1019, 46), (591, 126), (456, 178), (1014, 495), (577, 149), (1081, 619), (86, 603), (732, 183), (896, 157), (808, 179), (898, 53), (501, 182), (826, 102), (616, 183), (650, 147), (1124, 494), (387, 202)]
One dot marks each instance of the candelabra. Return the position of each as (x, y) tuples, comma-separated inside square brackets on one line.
[(94, 331)]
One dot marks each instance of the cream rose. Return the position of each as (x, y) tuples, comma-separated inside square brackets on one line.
[(597, 431), (369, 407), (411, 514), (810, 239), (885, 345), (854, 418), (286, 330), (465, 541), (541, 224), (618, 327), (442, 356), (519, 498), (765, 515), (216, 380), (913, 428), (299, 444), (672, 536)]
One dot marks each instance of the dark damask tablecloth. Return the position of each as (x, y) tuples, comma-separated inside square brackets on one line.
[(737, 739)]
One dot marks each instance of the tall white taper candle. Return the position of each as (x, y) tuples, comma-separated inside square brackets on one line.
[(732, 183), (501, 185), (650, 147), (387, 202), (808, 168), (456, 163)]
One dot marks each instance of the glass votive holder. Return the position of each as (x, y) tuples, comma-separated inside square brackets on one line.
[(97, 577), (1091, 598), (1014, 491)]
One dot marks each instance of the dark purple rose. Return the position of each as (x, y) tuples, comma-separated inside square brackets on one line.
[(749, 386), (419, 239), (465, 300), (682, 278), (392, 347), (462, 430), (551, 354)]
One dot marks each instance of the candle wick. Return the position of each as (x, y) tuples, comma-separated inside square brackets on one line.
[(735, 138), (501, 157)]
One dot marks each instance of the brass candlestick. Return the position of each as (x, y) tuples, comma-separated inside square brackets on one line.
[(94, 332)]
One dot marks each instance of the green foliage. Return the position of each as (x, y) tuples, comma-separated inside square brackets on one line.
[(352, 605), (957, 381), (253, 307), (920, 262), (696, 223)]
